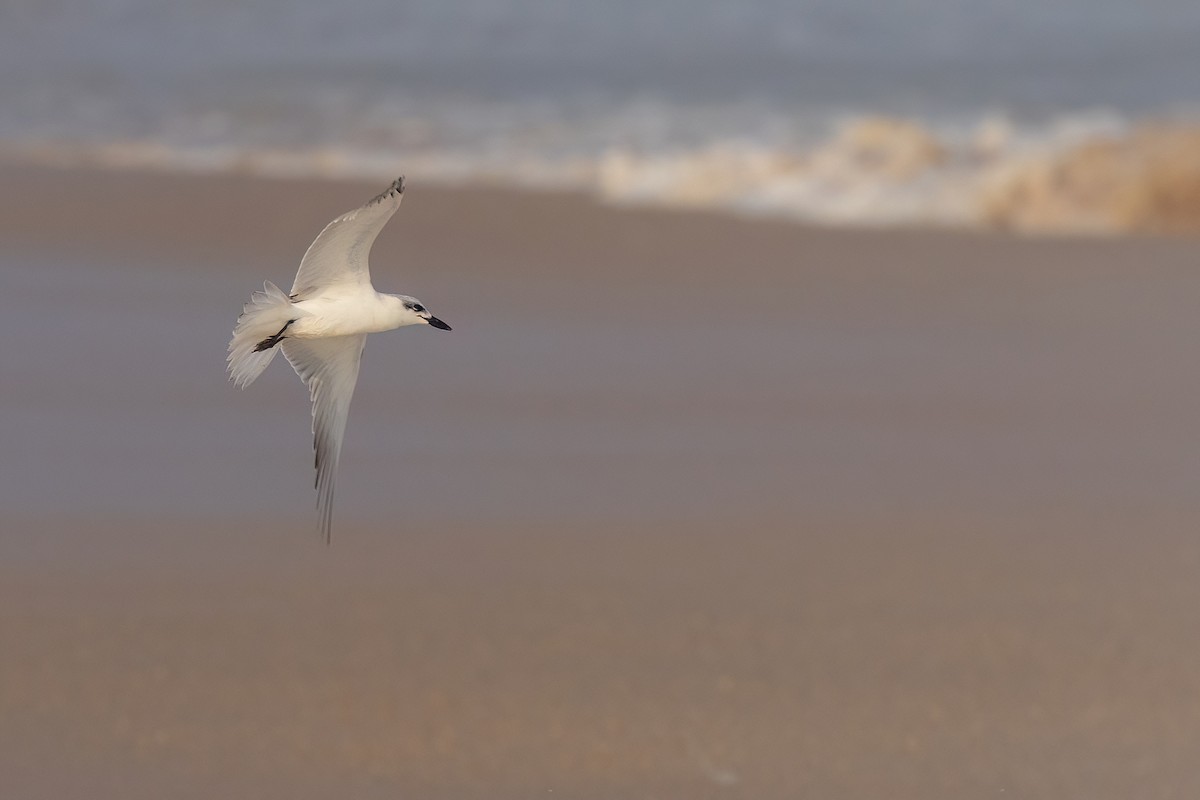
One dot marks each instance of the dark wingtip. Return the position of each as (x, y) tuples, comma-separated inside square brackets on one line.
[(396, 189)]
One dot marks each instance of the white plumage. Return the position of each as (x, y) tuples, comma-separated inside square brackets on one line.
[(322, 326)]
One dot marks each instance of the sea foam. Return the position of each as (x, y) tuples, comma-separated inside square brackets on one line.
[(1092, 173)]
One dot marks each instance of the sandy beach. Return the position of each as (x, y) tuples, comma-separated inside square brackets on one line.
[(686, 506)]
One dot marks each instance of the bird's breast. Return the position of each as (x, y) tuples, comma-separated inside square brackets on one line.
[(323, 317)]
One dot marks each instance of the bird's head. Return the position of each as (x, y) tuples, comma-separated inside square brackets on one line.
[(417, 309)]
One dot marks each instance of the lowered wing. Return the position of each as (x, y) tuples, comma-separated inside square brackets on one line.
[(330, 369)]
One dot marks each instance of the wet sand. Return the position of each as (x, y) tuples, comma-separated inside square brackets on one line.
[(685, 506)]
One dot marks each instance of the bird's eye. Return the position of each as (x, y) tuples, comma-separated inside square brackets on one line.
[(418, 308)]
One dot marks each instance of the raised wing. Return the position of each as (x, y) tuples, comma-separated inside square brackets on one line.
[(339, 254), (330, 369)]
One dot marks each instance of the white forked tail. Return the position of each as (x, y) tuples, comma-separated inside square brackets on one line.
[(262, 318)]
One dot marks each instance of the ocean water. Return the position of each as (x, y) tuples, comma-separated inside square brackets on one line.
[(837, 110)]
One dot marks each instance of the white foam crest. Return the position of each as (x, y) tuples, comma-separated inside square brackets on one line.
[(869, 171), (872, 171)]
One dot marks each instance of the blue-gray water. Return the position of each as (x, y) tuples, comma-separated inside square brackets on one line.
[(552, 91), (138, 66)]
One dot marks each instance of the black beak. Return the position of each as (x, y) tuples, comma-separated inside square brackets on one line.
[(437, 323)]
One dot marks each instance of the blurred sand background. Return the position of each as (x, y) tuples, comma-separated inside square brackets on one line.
[(686, 506)]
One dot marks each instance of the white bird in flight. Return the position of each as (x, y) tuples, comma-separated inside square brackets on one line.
[(322, 325)]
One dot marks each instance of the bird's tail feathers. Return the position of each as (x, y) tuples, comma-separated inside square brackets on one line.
[(256, 334)]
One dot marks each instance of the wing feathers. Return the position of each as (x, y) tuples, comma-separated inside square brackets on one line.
[(329, 367), (339, 254)]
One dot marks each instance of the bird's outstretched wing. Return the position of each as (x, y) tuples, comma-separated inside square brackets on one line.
[(330, 369), (339, 254)]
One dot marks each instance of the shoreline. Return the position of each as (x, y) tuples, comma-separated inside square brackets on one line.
[(216, 208), (870, 173)]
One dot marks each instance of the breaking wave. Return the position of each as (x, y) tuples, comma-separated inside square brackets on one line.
[(1085, 173)]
